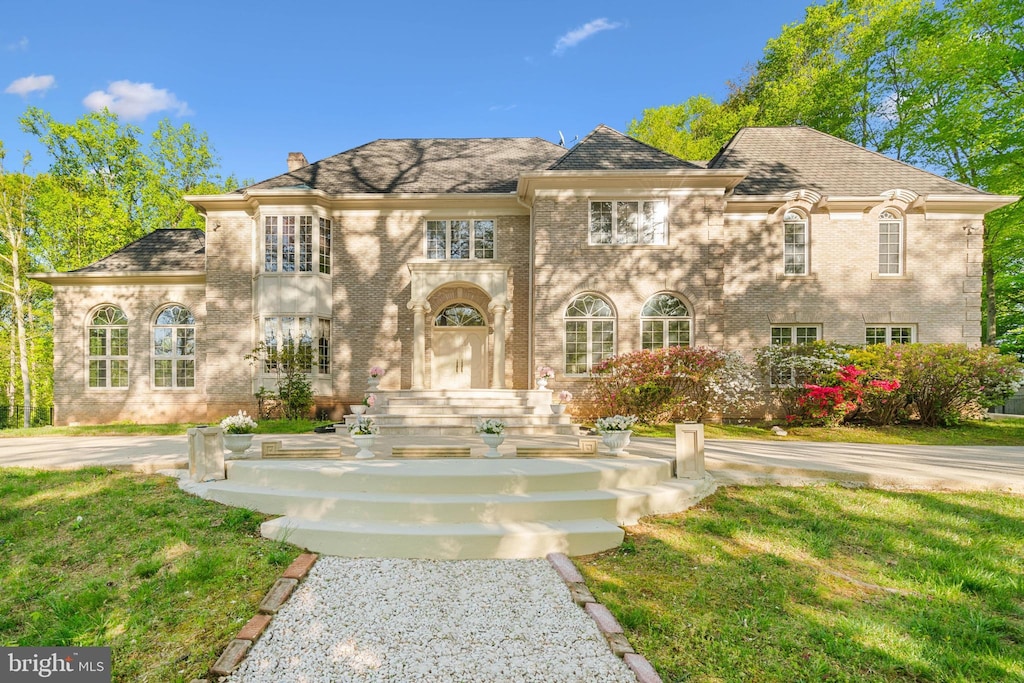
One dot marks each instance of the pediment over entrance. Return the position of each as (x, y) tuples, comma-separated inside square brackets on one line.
[(428, 277)]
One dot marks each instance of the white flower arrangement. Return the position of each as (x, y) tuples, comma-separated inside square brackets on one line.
[(615, 423), (238, 424), (545, 372), (377, 372), (363, 426), (490, 426), (564, 396)]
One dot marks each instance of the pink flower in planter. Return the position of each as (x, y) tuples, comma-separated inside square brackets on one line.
[(377, 371)]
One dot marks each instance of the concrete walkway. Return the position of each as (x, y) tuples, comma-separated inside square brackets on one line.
[(789, 462)]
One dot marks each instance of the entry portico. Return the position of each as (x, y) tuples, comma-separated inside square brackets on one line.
[(432, 276)]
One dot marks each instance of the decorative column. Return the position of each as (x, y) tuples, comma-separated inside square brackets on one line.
[(419, 342), (498, 370)]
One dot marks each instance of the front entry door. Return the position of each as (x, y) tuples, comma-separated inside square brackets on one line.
[(459, 358)]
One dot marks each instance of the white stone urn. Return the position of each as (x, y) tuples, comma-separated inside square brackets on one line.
[(616, 441), (557, 408), (364, 442), (542, 383), (237, 443), (372, 383), (357, 409), (492, 441)]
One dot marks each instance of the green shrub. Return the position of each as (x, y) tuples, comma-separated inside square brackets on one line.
[(786, 369), (292, 363)]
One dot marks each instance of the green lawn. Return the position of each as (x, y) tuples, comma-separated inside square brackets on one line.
[(824, 584), (999, 432), (95, 557), (132, 429)]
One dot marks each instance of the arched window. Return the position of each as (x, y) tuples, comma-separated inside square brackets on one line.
[(174, 348), (664, 321), (108, 348), (794, 243), (459, 315), (890, 243), (589, 333)]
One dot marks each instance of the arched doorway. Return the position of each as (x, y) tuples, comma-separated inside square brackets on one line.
[(459, 348)]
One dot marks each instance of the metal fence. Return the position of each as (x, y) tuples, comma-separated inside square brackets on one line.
[(1013, 406), (11, 416)]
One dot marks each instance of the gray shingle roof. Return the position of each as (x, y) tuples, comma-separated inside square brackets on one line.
[(430, 165), (783, 159), (159, 251), (607, 149)]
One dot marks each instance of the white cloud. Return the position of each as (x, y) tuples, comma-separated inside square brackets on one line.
[(578, 35), (30, 84), (19, 45), (135, 101), (502, 107)]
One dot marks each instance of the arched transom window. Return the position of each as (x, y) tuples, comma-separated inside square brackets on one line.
[(589, 333), (174, 348), (664, 321), (890, 243), (794, 243), (459, 315), (108, 349)]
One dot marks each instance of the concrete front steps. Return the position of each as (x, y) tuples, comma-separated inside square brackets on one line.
[(454, 509), (455, 412)]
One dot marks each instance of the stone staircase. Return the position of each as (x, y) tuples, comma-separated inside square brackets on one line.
[(459, 508), (455, 412)]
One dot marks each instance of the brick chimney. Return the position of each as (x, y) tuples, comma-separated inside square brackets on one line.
[(296, 160)]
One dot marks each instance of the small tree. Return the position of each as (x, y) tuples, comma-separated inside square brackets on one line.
[(291, 363)]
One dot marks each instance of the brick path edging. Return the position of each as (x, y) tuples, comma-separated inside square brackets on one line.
[(606, 622), (278, 594)]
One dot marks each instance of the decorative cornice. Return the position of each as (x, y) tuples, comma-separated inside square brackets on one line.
[(131, 277)]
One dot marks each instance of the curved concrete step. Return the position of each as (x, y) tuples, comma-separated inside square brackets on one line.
[(618, 505), (511, 476), (469, 541)]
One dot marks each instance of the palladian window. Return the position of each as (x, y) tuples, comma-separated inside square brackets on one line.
[(589, 334), (108, 349), (174, 348), (664, 321), (459, 315)]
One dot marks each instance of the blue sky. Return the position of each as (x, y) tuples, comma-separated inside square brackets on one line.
[(263, 79)]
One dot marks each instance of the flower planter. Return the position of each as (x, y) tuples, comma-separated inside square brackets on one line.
[(364, 442), (237, 443), (372, 383), (542, 383), (557, 408), (492, 441), (357, 409), (616, 441)]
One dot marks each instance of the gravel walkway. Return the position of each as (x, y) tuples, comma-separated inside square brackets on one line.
[(425, 620)]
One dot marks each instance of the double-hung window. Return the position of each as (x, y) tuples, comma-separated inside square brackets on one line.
[(889, 334), (794, 244), (890, 243), (786, 335), (628, 221), (460, 239)]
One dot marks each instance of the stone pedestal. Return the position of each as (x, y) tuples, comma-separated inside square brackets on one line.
[(206, 453), (690, 451)]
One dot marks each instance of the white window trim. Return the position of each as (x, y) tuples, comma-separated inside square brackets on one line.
[(803, 219), (792, 328), (614, 318), (900, 219), (615, 202), (889, 327), (314, 244), (174, 357), (106, 357), (665, 319), (296, 329), (448, 235)]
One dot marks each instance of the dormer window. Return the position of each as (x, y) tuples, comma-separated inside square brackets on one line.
[(460, 239)]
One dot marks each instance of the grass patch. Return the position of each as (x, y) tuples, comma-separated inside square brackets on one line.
[(1000, 432), (132, 429), (95, 557), (824, 584)]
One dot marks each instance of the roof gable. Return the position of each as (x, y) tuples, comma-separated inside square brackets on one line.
[(163, 250), (428, 165), (778, 160), (606, 149)]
